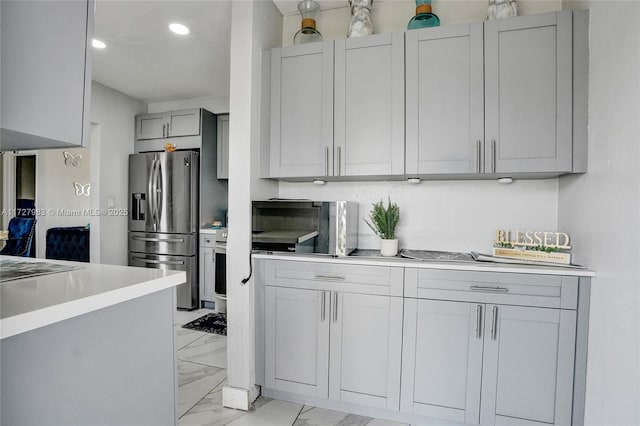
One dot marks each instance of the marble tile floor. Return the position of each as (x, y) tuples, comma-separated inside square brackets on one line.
[(202, 363)]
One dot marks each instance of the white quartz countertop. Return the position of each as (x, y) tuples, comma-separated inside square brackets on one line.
[(33, 302), (430, 264)]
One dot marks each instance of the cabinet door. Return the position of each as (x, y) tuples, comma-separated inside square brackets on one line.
[(366, 345), (151, 126), (445, 102), (297, 341), (207, 274), (223, 147), (46, 73), (442, 359), (302, 111), (369, 105), (528, 83), (528, 366), (183, 123)]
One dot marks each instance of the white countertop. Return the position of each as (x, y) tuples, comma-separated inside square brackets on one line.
[(430, 264), (30, 303)]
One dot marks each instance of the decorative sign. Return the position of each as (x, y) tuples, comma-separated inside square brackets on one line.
[(539, 246), (558, 240)]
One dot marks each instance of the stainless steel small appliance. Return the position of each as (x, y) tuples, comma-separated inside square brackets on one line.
[(220, 254), (304, 226)]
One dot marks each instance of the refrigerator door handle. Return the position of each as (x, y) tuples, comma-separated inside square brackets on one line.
[(159, 262), (151, 191), (158, 192), (159, 240)]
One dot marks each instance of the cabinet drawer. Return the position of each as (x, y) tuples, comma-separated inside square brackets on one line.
[(381, 280), (207, 240), (551, 291)]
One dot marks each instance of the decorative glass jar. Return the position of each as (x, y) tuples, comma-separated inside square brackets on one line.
[(308, 33), (424, 17)]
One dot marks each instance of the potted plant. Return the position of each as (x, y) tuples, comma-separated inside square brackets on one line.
[(383, 221)]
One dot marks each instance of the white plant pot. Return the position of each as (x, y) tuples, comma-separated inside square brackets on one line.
[(389, 247)]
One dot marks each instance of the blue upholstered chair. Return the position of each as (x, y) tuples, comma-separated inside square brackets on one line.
[(68, 243), (21, 234)]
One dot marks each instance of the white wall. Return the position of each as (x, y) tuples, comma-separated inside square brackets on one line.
[(445, 215), (255, 26), (394, 15), (216, 105), (56, 194), (115, 113), (601, 210)]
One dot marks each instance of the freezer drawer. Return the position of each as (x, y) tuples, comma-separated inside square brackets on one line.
[(154, 242), (187, 293)]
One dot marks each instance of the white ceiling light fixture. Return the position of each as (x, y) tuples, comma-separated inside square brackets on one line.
[(98, 44), (179, 28)]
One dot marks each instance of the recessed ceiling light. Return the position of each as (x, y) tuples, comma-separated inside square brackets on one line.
[(98, 44), (179, 29)]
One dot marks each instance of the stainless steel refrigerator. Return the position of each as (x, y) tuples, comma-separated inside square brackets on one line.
[(163, 216)]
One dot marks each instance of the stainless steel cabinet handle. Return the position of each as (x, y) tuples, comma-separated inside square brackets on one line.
[(478, 321), (494, 324), (159, 240), (493, 155), (478, 155), (489, 289), (335, 307), (323, 308), (164, 129), (326, 161), (168, 129), (339, 161), (329, 277), (159, 262)]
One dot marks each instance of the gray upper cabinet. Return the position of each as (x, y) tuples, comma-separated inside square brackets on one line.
[(302, 111), (528, 83), (444, 99), (168, 124), (369, 106), (223, 146), (46, 73)]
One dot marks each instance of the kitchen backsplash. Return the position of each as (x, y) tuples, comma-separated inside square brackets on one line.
[(445, 215)]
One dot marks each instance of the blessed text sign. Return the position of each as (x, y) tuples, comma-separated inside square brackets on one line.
[(558, 240)]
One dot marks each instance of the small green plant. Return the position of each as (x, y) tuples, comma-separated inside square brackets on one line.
[(383, 221)]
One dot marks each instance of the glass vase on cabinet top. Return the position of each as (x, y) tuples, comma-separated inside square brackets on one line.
[(424, 17), (308, 33)]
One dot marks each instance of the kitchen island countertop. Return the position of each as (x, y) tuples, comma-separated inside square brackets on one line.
[(33, 302)]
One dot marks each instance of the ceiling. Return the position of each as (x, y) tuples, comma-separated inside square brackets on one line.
[(146, 61)]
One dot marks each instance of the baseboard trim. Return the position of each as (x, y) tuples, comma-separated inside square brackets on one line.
[(239, 398)]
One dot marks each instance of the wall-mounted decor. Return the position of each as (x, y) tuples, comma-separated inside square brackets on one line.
[(82, 189), (361, 24), (71, 159), (498, 9)]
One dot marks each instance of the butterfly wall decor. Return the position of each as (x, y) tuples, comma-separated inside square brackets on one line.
[(82, 189), (71, 159)]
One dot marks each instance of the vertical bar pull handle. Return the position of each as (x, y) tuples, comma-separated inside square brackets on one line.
[(493, 155), (494, 324), (323, 308), (326, 161), (335, 307), (478, 155), (478, 321), (164, 129), (339, 161)]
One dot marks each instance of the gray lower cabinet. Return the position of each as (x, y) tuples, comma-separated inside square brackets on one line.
[(46, 73), (488, 364), (325, 337)]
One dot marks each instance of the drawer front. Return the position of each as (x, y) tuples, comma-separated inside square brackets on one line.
[(207, 240), (380, 280), (551, 291)]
